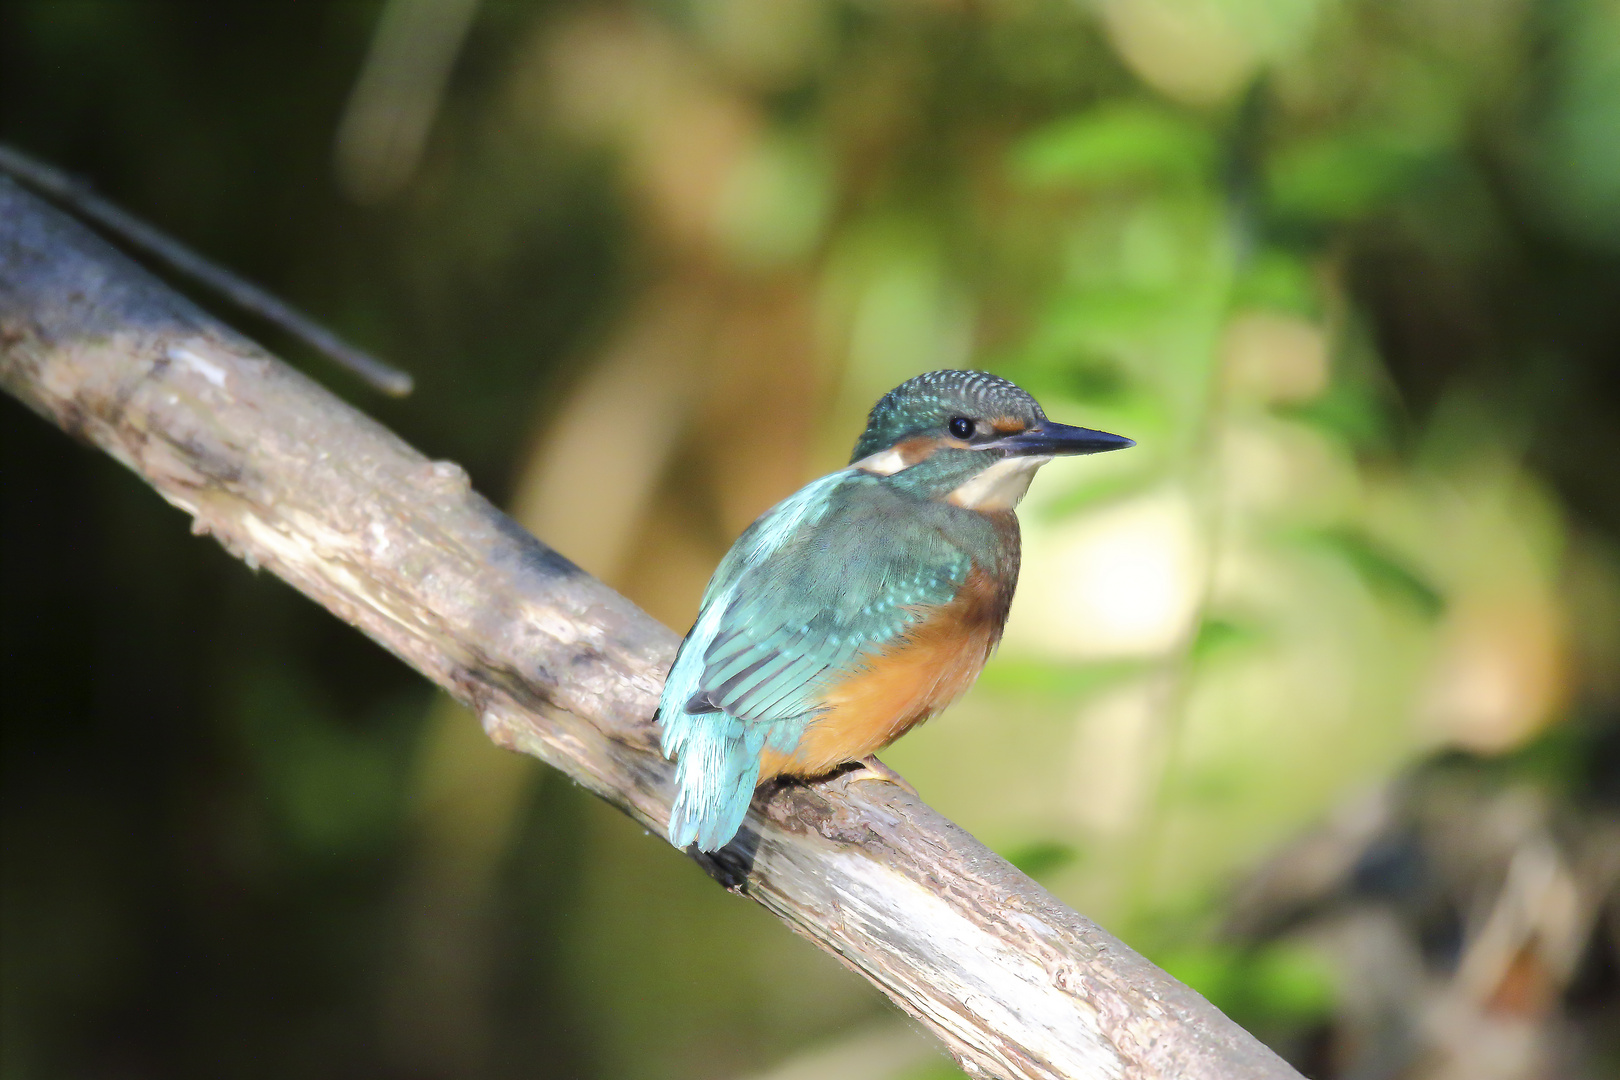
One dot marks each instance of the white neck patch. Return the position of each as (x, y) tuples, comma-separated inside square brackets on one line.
[(882, 463), (999, 487)]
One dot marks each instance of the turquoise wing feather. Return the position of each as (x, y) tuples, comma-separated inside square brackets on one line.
[(827, 577)]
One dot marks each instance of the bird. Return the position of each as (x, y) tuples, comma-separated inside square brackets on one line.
[(861, 605)]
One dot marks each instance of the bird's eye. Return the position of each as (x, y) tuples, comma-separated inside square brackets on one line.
[(961, 427)]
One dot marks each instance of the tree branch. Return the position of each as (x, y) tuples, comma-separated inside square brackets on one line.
[(559, 666), (77, 195)]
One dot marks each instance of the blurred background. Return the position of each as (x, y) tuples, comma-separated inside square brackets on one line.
[(1314, 697)]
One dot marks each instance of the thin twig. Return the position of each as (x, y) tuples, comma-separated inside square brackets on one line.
[(78, 195)]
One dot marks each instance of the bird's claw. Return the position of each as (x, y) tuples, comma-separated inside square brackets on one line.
[(870, 768)]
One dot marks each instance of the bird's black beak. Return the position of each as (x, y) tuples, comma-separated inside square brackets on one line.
[(1049, 439)]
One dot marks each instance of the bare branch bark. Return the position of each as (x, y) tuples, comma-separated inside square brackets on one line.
[(289, 478)]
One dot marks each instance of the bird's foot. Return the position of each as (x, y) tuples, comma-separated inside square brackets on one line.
[(870, 768)]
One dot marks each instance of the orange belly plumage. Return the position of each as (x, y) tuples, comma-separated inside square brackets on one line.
[(926, 670)]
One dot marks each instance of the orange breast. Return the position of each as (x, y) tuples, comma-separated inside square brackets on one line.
[(926, 670)]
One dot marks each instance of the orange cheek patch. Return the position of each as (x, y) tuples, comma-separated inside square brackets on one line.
[(902, 455), (916, 450), (928, 669), (1008, 425)]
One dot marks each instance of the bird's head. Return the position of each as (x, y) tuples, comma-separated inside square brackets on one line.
[(967, 437)]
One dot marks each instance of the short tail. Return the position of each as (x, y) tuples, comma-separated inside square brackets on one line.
[(716, 771)]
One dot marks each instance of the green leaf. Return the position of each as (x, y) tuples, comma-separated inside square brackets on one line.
[(1382, 569), (1279, 280), (1280, 983), (934, 1070), (1100, 320), (1350, 412), (1053, 678), (1041, 858), (1340, 177), (1290, 983), (1219, 635), (1114, 144)]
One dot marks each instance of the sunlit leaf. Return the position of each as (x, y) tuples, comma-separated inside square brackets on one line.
[(1114, 144), (1219, 635)]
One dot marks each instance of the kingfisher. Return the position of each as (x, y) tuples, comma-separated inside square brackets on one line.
[(861, 605)]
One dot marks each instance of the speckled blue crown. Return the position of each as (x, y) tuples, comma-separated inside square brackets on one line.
[(931, 399)]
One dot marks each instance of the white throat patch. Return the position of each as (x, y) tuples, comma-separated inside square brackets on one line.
[(999, 487)]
